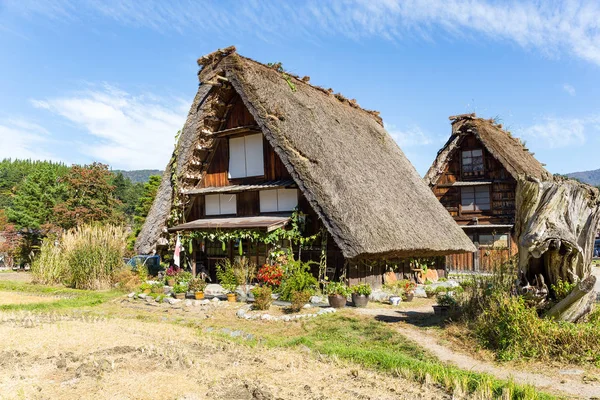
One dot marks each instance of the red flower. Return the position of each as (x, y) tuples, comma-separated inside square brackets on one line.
[(270, 275)]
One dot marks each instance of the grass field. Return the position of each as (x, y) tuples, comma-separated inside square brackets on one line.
[(75, 341)]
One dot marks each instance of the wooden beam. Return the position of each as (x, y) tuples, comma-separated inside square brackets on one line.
[(240, 130)]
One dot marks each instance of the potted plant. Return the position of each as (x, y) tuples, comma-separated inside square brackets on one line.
[(337, 293), (445, 302), (197, 286), (408, 288), (171, 275), (360, 294), (179, 290), (227, 278)]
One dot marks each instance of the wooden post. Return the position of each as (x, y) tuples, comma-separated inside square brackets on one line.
[(476, 258), (193, 260)]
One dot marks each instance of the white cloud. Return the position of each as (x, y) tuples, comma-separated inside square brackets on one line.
[(412, 136), (553, 27), (23, 140), (130, 132), (558, 132), (569, 89)]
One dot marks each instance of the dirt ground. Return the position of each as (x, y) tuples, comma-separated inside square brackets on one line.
[(58, 356), (24, 298), (20, 276)]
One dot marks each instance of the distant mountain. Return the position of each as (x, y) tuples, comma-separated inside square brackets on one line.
[(589, 177), (140, 175)]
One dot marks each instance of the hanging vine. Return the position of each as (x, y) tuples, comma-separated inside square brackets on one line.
[(323, 260)]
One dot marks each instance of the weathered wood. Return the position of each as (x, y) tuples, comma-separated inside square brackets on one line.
[(577, 303), (556, 226)]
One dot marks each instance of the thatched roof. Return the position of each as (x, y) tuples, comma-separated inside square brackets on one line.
[(363, 188), (507, 149)]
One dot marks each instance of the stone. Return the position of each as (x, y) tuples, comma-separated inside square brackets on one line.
[(317, 300), (188, 303), (266, 317), (141, 296), (307, 306), (167, 300), (420, 292), (215, 300), (149, 299), (236, 334), (214, 290), (131, 295), (379, 295), (240, 313), (204, 302)]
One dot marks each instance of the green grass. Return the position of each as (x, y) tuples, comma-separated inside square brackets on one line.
[(375, 345), (67, 298)]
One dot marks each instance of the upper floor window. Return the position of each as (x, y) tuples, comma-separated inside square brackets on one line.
[(475, 198), (472, 162), (217, 204), (246, 156), (278, 200)]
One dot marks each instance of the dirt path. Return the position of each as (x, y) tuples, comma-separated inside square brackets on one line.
[(553, 381)]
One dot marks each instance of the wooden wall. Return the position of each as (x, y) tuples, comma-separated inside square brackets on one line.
[(502, 191)]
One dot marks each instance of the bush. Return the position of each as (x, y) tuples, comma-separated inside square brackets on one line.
[(262, 297), (363, 289), (226, 276), (197, 285), (299, 299), (337, 288), (88, 257), (270, 275), (180, 288), (127, 280), (297, 278)]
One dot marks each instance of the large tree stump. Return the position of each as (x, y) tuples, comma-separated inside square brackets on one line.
[(556, 226)]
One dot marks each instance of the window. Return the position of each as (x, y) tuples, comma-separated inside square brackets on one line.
[(218, 204), (246, 156), (475, 198), (472, 162), (494, 241), (278, 200)]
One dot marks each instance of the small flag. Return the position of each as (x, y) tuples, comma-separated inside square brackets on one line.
[(177, 251)]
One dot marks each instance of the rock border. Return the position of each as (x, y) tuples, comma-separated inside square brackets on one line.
[(242, 313)]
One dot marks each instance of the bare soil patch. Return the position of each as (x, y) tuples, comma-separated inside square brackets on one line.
[(21, 276), (100, 358), (24, 298)]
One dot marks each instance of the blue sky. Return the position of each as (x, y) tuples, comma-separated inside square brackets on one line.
[(112, 81)]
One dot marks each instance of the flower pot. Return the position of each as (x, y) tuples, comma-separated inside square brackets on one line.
[(360, 300), (441, 311), (337, 301), (409, 297), (180, 296), (199, 295), (170, 281), (395, 300), (231, 297)]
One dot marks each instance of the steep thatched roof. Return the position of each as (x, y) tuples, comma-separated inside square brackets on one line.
[(368, 195), (508, 150)]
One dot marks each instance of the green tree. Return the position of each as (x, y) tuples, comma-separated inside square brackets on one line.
[(90, 197), (143, 207), (36, 196), (127, 192)]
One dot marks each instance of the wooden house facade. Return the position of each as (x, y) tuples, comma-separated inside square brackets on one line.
[(475, 178), (260, 144)]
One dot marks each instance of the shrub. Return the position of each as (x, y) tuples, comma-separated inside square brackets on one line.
[(407, 285), (299, 300), (197, 285), (226, 275), (562, 289), (363, 289), (270, 275), (297, 278), (88, 257), (337, 288), (180, 288), (127, 280), (262, 297)]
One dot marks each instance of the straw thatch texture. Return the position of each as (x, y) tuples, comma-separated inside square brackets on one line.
[(356, 178), (508, 150), (368, 195), (156, 221)]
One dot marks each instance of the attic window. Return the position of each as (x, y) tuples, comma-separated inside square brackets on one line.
[(472, 162), (218, 204), (246, 156), (475, 198)]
